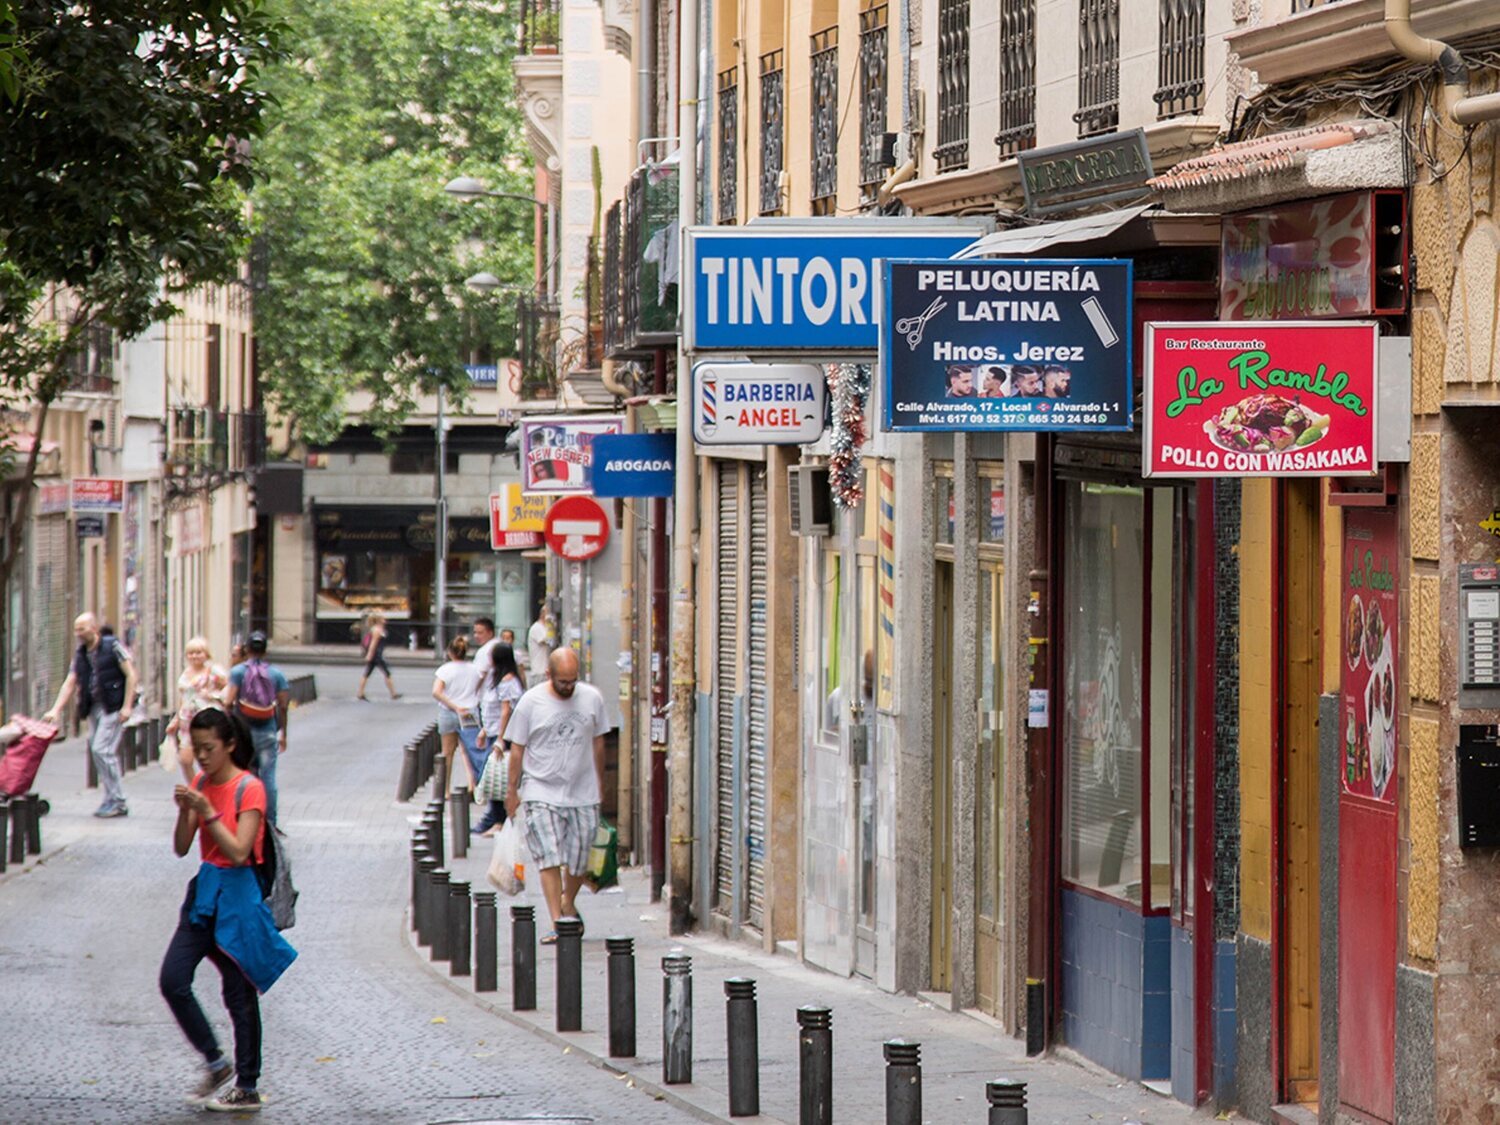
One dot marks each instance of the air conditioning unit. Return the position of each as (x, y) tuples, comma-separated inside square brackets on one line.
[(811, 500)]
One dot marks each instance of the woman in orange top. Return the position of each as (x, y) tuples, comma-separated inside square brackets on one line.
[(225, 808)]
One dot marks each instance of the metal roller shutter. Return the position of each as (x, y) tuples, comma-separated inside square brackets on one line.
[(726, 686), (757, 717), (51, 631)]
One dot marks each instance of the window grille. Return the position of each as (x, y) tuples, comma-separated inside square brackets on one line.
[(953, 85), (1098, 67), (1180, 58), (1017, 76), (91, 367), (729, 144), (772, 131), (612, 281), (825, 123), (873, 58)]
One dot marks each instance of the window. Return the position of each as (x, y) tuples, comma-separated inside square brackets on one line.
[(729, 140), (943, 503), (772, 131), (873, 59), (952, 151), (825, 123), (1017, 76), (992, 507), (832, 668), (1180, 58), (1098, 67)]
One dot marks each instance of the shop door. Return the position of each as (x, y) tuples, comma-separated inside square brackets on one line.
[(756, 718), (726, 689), (861, 727), (1367, 813), (989, 943), (942, 776), (1301, 682)]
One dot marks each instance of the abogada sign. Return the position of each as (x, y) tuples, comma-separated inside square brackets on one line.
[(758, 403), (783, 285)]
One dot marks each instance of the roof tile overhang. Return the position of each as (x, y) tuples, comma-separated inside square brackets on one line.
[(1298, 164)]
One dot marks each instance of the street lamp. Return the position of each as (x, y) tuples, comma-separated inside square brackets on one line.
[(469, 187)]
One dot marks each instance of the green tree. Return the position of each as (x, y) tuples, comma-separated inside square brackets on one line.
[(381, 103), (124, 159)]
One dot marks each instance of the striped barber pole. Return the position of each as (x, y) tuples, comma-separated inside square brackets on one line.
[(886, 534)]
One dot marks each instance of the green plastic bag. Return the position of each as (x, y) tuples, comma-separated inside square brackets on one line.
[(604, 857)]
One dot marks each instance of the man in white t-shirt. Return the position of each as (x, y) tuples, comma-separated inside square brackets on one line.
[(556, 763), (539, 645)]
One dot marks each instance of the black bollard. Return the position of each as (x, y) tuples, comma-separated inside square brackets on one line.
[(437, 916), (406, 785), (903, 1082), (4, 829), (33, 818), (744, 1047), (815, 1033), (458, 815), (523, 958), (421, 906), (621, 971), (486, 926), (439, 777), (433, 819), (677, 1018), (419, 852), (1007, 1099), (17, 830), (569, 974), (460, 934)]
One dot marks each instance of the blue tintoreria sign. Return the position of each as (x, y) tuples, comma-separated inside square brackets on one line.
[(779, 286)]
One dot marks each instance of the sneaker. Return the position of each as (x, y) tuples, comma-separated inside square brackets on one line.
[(112, 811), (211, 1083), (235, 1100), (549, 938)]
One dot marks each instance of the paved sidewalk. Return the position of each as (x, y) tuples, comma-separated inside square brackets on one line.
[(959, 1052)]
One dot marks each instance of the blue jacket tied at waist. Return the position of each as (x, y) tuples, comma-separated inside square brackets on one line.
[(243, 928)]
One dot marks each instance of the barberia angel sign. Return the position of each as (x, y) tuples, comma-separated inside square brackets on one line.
[(1260, 399)]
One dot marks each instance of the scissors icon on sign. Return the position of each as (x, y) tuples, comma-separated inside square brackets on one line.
[(912, 327)]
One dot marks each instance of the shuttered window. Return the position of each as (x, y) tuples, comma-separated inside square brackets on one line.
[(757, 742), (726, 684)]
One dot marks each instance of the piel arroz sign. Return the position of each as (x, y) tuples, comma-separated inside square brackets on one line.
[(1260, 399), (996, 345)]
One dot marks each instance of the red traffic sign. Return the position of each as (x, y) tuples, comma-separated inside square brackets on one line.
[(577, 528)]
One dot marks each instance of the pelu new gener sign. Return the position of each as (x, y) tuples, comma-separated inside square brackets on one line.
[(779, 286)]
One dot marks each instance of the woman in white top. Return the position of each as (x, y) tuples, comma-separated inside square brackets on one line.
[(456, 688), (500, 697), (201, 685)]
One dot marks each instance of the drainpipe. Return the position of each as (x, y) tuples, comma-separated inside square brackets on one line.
[(1461, 109), (685, 506)]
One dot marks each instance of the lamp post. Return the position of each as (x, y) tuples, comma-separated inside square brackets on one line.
[(468, 187)]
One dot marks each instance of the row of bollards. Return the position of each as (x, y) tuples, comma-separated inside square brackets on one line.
[(20, 828), (418, 759), (462, 929)]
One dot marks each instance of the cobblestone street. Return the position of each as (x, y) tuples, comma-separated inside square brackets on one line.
[(356, 1030)]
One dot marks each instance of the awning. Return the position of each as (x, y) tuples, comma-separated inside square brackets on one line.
[(1028, 240)]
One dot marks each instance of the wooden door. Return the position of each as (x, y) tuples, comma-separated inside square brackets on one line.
[(1301, 677), (989, 876)]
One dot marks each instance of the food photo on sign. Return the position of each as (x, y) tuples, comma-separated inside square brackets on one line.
[(1023, 345), (1260, 399), (1368, 700)]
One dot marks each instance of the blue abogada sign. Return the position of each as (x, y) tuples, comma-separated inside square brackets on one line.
[(997, 345), (632, 465), (807, 286)]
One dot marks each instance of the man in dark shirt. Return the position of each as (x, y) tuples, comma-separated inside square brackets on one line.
[(104, 678)]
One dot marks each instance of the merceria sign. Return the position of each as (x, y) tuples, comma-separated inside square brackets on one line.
[(1278, 399)]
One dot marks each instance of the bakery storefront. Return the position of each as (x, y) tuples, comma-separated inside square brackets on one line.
[(384, 559)]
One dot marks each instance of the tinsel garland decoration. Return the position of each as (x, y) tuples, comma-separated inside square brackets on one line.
[(850, 384)]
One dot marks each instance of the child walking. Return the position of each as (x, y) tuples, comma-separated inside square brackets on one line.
[(223, 916)]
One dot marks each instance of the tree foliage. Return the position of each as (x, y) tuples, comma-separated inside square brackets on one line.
[(381, 103)]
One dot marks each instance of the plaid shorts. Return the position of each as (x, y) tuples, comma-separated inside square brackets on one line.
[(560, 835)]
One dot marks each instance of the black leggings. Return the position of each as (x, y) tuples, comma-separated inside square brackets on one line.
[(377, 661), (189, 946)]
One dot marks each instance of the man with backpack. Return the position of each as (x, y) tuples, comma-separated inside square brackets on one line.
[(104, 677), (259, 693)]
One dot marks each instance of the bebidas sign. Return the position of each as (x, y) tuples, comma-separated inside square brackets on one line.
[(785, 285)]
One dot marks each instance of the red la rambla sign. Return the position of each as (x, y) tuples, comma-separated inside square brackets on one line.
[(1260, 399)]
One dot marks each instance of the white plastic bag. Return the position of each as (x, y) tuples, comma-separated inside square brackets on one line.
[(508, 861)]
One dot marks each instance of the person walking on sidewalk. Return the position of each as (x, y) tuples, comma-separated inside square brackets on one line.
[(496, 705), (201, 685), (539, 645), (556, 778), (103, 677), (508, 637), (374, 646), (259, 693), (223, 916), (456, 689)]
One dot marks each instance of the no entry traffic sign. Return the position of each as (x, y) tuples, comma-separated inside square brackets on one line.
[(577, 528)]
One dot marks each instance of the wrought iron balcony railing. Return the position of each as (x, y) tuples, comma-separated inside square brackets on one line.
[(772, 131), (874, 56), (537, 323), (952, 150), (825, 122), (612, 278), (1180, 58), (541, 27), (1098, 67), (729, 144), (206, 448), (1017, 76)]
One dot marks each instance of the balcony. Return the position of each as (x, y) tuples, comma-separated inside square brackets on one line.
[(644, 303), (1098, 68), (824, 59), (1017, 77), (91, 369), (952, 150), (537, 321), (206, 449), (541, 27), (538, 71), (772, 131), (873, 98), (729, 144)]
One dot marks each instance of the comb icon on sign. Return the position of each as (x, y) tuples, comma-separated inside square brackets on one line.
[(1102, 327)]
